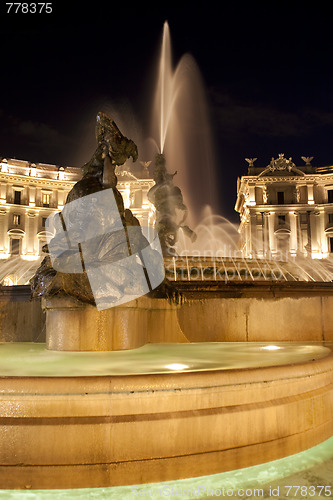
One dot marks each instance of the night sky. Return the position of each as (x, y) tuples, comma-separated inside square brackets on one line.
[(267, 68)]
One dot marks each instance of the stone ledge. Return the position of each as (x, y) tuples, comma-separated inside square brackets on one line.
[(145, 446)]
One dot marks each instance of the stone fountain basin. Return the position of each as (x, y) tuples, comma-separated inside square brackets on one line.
[(159, 412)]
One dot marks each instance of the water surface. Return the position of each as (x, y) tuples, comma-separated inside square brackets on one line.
[(34, 360)]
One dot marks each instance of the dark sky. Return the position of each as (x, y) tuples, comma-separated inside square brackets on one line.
[(267, 68)]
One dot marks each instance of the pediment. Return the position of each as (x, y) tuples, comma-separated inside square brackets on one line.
[(281, 166), (16, 232), (282, 233), (329, 230)]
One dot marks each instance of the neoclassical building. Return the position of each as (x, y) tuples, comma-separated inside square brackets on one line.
[(30, 192), (286, 209)]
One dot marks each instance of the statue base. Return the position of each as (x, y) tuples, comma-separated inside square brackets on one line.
[(74, 326)]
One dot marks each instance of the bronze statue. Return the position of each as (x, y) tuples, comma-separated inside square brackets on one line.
[(112, 244), (171, 212)]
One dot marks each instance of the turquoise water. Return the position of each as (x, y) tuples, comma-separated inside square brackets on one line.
[(29, 359)]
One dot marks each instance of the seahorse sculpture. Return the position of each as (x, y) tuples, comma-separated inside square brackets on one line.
[(113, 149)]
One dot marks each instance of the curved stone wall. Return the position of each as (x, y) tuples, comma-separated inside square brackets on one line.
[(103, 431)]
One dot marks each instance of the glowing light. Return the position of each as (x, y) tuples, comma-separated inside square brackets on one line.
[(4, 167), (10, 281), (33, 171), (311, 202), (29, 257), (61, 175), (271, 347), (32, 204), (145, 205), (177, 366), (126, 197)]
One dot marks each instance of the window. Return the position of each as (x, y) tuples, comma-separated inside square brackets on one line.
[(330, 218), (331, 245), (281, 220), (44, 221), (17, 197), (16, 220), (46, 200), (280, 197), (15, 246), (330, 196)]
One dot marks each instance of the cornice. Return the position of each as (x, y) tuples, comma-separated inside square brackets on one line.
[(289, 178), (36, 181), (291, 207), (56, 183)]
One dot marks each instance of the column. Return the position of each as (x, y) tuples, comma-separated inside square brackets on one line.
[(308, 246), (31, 232), (253, 234), (271, 229), (323, 237), (61, 199), (310, 194), (260, 235), (3, 230), (32, 196), (315, 240), (3, 193), (299, 234), (293, 233), (251, 196), (38, 196), (265, 235)]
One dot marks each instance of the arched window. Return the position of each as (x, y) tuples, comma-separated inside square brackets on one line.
[(15, 241)]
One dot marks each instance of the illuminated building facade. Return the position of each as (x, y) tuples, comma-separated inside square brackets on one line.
[(30, 192), (286, 210)]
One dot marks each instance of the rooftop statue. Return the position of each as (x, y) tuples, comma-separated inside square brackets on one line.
[(171, 212), (96, 244), (251, 161), (307, 160)]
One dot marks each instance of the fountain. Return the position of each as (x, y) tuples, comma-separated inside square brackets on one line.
[(180, 118), (140, 380)]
